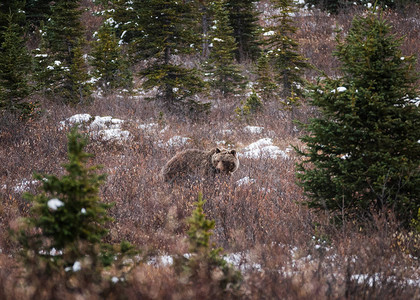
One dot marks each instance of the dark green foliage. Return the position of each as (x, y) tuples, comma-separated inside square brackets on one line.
[(63, 43), (62, 239), (283, 51), (45, 71), (222, 71), (266, 86), (363, 153), (167, 35), (124, 16), (67, 215), (205, 264), (111, 68), (243, 17), (37, 12), (335, 6), (13, 9), (15, 69), (251, 106)]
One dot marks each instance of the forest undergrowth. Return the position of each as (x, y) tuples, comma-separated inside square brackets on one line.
[(284, 250)]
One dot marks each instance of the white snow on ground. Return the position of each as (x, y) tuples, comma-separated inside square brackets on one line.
[(226, 131), (263, 148), (53, 252), (111, 134), (77, 266), (102, 123), (55, 203), (148, 127), (245, 181), (254, 129), (177, 141), (103, 128), (24, 185)]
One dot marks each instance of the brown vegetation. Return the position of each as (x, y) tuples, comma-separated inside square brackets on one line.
[(288, 252)]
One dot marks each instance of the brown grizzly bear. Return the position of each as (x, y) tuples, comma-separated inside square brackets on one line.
[(194, 164)]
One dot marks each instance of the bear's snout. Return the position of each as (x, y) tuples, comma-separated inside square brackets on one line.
[(225, 166)]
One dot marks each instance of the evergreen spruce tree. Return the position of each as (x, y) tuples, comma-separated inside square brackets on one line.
[(362, 154), (335, 6), (224, 73), (204, 10), (206, 260), (168, 35), (13, 8), (37, 12), (64, 39), (111, 69), (77, 89), (67, 217), (283, 51), (266, 87), (46, 72), (243, 17), (124, 18), (15, 69)]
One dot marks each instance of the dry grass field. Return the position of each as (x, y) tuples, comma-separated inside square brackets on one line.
[(284, 250)]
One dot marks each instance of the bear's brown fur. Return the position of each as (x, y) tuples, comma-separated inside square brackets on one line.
[(194, 164)]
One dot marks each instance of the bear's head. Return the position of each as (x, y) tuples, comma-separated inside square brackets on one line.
[(225, 161)]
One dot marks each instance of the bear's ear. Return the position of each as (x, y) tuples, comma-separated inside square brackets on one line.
[(233, 152), (218, 150)]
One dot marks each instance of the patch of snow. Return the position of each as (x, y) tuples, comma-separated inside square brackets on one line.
[(55, 203), (245, 181), (268, 33), (241, 261), (24, 185), (263, 148), (100, 122), (226, 131), (75, 119), (415, 101), (114, 279), (254, 129), (53, 252), (79, 118), (111, 134), (340, 89), (148, 127), (177, 141), (77, 266)]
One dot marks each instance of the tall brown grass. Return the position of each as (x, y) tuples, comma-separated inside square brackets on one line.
[(287, 251)]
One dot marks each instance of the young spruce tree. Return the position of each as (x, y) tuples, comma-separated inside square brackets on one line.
[(64, 40), (168, 36), (206, 261), (111, 68), (283, 51), (67, 215), (223, 72), (362, 154)]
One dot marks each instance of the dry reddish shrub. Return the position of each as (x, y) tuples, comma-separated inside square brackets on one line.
[(289, 252)]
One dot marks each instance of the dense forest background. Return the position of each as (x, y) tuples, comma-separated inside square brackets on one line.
[(319, 98)]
